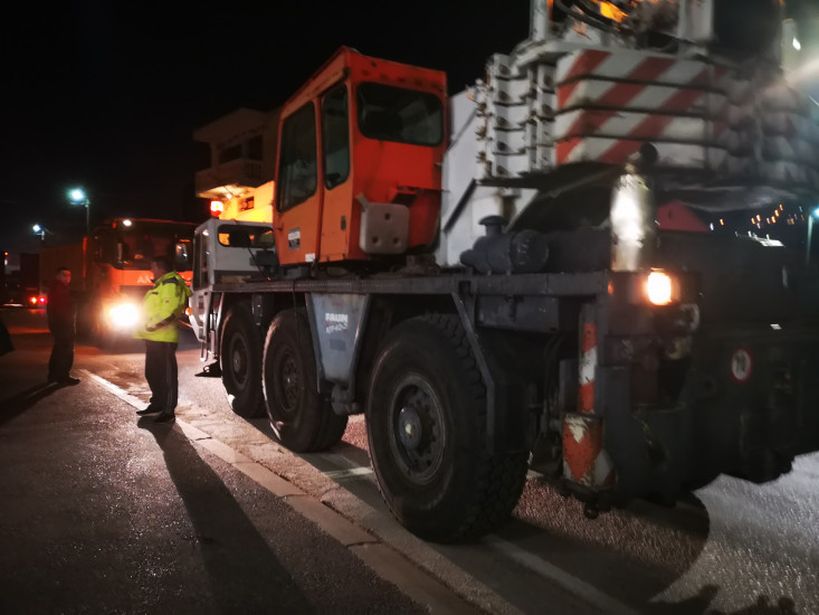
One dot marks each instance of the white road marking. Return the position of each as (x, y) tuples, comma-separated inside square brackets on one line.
[(573, 585), (381, 558), (115, 390), (570, 583), (349, 473)]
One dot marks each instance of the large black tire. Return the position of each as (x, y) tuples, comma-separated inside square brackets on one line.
[(240, 357), (426, 425), (301, 420)]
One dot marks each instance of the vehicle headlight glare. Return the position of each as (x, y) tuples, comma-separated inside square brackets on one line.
[(123, 315), (659, 288)]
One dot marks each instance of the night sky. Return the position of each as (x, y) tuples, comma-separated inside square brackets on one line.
[(107, 95)]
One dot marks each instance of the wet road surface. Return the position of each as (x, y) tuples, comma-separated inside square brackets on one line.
[(105, 513), (733, 547)]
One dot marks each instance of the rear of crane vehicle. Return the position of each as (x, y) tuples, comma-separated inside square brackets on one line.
[(568, 271)]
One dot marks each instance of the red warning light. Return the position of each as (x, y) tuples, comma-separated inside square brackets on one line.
[(217, 208)]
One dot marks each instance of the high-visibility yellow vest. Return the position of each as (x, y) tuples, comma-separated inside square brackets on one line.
[(161, 307)]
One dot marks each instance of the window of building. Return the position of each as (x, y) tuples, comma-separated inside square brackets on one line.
[(336, 137), (388, 113), (233, 152), (297, 167), (254, 148)]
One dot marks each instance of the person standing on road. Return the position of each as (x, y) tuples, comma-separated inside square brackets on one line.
[(6, 346), (60, 310), (161, 308)]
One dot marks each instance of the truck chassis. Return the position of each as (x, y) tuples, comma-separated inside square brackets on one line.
[(468, 380)]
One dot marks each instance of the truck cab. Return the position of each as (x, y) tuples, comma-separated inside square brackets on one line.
[(224, 252), (117, 262), (359, 159)]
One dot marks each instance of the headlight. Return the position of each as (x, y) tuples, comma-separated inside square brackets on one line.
[(661, 288), (123, 315)]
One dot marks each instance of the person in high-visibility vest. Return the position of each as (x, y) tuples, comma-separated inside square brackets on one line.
[(161, 308)]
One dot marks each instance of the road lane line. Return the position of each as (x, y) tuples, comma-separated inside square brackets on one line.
[(576, 587), (338, 475), (381, 558), (115, 390)]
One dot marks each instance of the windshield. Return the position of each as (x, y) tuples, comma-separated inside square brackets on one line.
[(135, 247), (388, 113)]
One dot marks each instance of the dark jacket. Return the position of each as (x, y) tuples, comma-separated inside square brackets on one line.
[(5, 340), (60, 308)]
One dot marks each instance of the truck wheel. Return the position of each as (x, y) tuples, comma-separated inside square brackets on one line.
[(426, 425), (301, 420), (240, 356)]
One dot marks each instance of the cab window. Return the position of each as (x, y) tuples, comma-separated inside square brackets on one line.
[(388, 113), (183, 255), (200, 260), (236, 236), (297, 168), (336, 137)]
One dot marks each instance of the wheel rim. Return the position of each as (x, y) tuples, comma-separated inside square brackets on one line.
[(238, 361), (417, 429), (289, 389)]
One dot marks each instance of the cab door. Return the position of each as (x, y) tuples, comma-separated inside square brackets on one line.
[(201, 297), (297, 217)]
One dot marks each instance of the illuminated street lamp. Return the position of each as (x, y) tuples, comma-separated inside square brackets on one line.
[(40, 231), (78, 196), (811, 217)]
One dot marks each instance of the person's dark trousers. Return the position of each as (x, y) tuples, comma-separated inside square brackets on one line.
[(62, 354), (161, 374)]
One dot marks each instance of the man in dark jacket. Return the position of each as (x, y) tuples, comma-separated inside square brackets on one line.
[(5, 340), (61, 325)]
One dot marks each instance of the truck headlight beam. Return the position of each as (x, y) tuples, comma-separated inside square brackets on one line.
[(659, 288), (123, 315)]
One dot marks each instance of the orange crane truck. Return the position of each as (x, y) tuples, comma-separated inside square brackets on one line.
[(111, 271), (500, 280)]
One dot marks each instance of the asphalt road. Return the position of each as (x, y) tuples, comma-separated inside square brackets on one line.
[(732, 548)]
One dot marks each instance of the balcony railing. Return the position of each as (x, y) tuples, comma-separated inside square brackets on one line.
[(235, 176)]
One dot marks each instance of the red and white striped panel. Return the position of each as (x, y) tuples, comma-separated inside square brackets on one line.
[(587, 362), (638, 97), (634, 65), (598, 123), (585, 461), (617, 151)]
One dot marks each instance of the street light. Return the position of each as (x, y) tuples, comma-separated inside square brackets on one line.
[(40, 231), (78, 196), (814, 213)]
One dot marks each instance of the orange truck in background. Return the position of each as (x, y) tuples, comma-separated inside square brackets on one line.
[(111, 270)]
